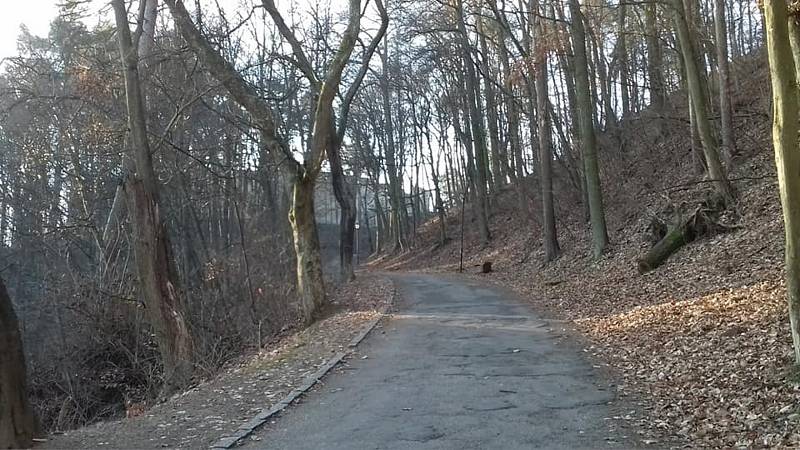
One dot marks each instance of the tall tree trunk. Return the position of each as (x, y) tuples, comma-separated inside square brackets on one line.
[(155, 267), (784, 60), (381, 222), (476, 125), (698, 96), (549, 234), (310, 282), (588, 138), (17, 422), (513, 117), (622, 52), (435, 178), (498, 175), (346, 199), (723, 69), (395, 188), (654, 58)]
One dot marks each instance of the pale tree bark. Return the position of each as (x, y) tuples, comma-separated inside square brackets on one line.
[(324, 111), (698, 102), (723, 70), (549, 234), (323, 138), (303, 176), (154, 263), (784, 63), (587, 133), (17, 421)]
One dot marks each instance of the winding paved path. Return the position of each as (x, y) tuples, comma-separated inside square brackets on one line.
[(460, 366)]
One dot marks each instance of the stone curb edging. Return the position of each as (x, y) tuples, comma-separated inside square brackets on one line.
[(247, 428)]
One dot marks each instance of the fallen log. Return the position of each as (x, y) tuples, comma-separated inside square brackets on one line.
[(699, 223)]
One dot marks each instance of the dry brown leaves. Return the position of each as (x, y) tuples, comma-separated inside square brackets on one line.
[(703, 341), (713, 368)]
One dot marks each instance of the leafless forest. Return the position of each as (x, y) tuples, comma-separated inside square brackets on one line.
[(183, 181)]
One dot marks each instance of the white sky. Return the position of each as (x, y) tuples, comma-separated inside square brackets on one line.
[(35, 14)]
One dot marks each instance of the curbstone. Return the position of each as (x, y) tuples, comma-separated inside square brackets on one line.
[(262, 417)]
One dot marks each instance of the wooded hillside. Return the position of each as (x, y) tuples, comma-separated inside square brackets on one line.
[(628, 166)]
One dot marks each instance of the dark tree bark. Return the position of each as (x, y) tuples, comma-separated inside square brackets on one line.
[(654, 58), (342, 190), (476, 126), (152, 250), (17, 422), (723, 70), (395, 188), (549, 234)]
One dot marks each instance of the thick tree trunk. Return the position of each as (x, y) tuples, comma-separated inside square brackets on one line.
[(156, 274), (310, 282), (588, 138), (347, 236), (382, 221), (17, 422), (686, 231), (152, 251), (781, 35), (367, 226)]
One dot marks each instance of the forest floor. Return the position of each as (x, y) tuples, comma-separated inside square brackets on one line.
[(200, 416), (702, 342)]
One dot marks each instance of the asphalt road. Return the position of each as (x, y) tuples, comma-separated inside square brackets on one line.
[(459, 366)]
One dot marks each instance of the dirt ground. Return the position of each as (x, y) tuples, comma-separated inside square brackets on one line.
[(203, 414)]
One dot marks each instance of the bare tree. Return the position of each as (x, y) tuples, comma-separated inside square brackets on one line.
[(587, 132), (784, 63), (303, 175), (723, 71), (155, 266), (699, 102)]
